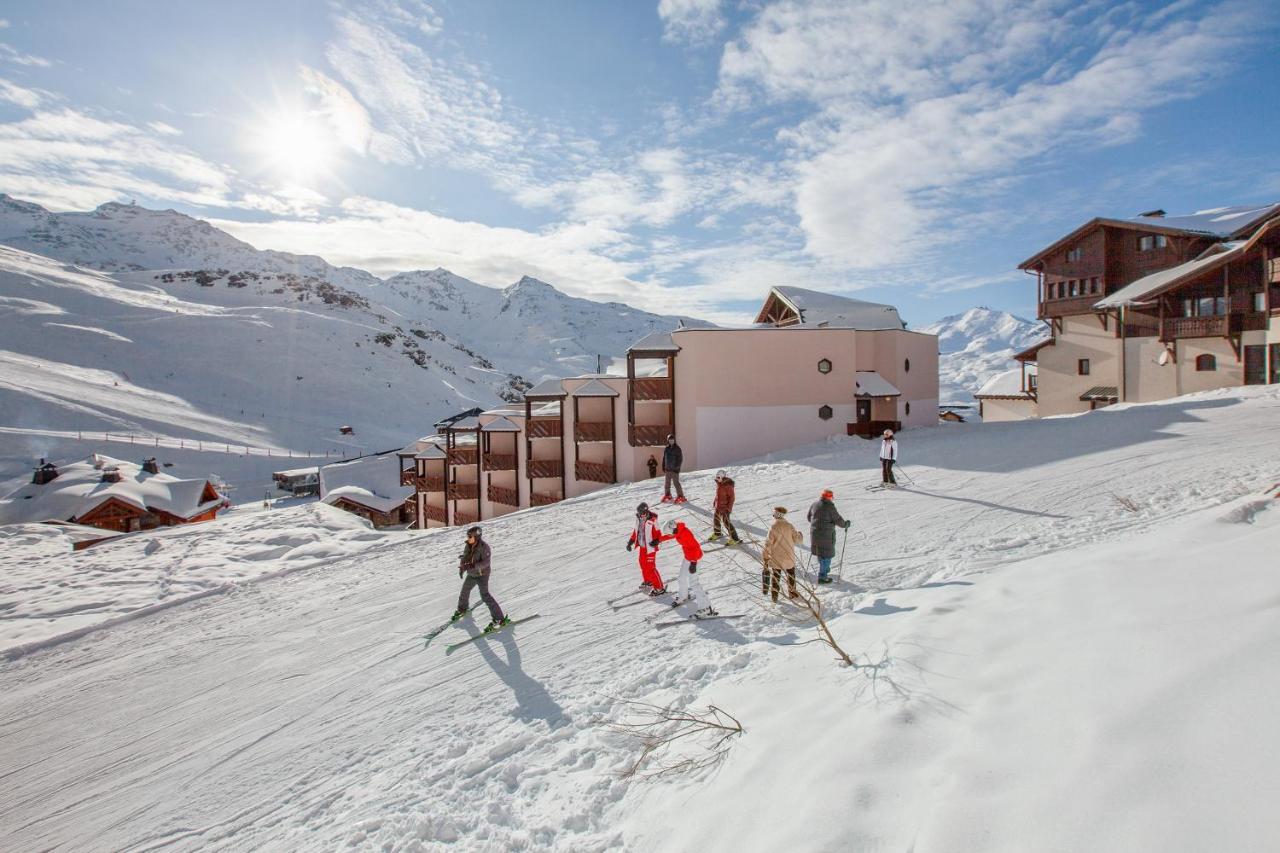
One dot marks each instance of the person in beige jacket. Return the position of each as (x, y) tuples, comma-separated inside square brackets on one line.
[(780, 555)]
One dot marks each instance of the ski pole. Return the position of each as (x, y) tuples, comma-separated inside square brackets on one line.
[(843, 545), (904, 473)]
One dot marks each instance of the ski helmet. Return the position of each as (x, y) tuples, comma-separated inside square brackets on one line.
[(720, 474), (642, 510), (671, 527), (475, 531)]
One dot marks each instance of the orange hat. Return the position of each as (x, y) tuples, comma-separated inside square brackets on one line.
[(827, 493)]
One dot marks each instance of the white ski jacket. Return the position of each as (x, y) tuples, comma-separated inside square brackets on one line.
[(889, 449)]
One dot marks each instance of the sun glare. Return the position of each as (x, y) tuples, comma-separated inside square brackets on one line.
[(295, 146)]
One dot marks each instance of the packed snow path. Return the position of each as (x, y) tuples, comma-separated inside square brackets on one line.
[(305, 711)]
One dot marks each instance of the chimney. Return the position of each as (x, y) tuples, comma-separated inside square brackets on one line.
[(1153, 214), (46, 472), (149, 465), (111, 474)]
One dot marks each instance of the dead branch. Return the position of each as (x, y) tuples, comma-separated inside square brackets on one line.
[(1125, 503), (657, 729)]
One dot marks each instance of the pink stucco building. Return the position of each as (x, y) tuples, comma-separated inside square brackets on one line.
[(812, 366)]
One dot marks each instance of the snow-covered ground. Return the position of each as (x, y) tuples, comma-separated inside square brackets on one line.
[(1064, 635)]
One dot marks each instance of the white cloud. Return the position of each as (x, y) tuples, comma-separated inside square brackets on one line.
[(15, 94), (692, 21), (17, 57), (164, 129), (348, 118)]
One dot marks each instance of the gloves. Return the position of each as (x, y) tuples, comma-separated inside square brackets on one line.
[(654, 543), (847, 524), (630, 545), (461, 571)]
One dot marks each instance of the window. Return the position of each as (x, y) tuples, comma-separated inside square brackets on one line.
[(1206, 362), (906, 365), (1074, 255), (1031, 381), (1095, 285), (825, 412), (1260, 301), (1071, 288), (1152, 241), (824, 366), (1082, 366)]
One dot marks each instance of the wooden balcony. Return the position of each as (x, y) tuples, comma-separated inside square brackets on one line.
[(436, 513), (544, 428), (1219, 326), (543, 499), (649, 435), (499, 462), (651, 389), (545, 467), (588, 431), (429, 483), (594, 472), (460, 518), (1065, 307), (504, 495), (406, 476), (872, 429), (463, 491), (463, 456)]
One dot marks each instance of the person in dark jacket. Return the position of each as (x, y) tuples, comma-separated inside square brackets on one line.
[(653, 466), (721, 508), (672, 459), (475, 565), (824, 518)]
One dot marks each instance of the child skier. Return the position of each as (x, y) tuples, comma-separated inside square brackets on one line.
[(780, 555), (475, 564), (689, 585), (888, 456), (646, 536), (721, 507)]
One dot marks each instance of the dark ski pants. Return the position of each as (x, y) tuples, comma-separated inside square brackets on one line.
[(464, 598), (771, 581), (722, 518), (672, 477), (886, 471)]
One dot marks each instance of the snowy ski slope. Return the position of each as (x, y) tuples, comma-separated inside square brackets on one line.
[(1064, 632)]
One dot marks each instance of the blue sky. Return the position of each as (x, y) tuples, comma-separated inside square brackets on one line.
[(679, 155)]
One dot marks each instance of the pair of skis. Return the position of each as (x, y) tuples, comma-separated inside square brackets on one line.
[(450, 649)]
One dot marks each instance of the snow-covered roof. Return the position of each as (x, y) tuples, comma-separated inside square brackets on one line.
[(295, 472), (656, 341), (1007, 384), (595, 388), (816, 308), (1150, 285), (465, 424), (372, 481), (1216, 221), (872, 384), (546, 388), (431, 451), (500, 425), (1101, 392), (79, 488)]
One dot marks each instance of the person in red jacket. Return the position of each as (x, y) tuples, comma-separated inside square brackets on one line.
[(645, 535), (722, 506), (689, 587)]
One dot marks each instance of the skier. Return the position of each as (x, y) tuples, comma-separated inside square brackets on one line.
[(780, 555), (652, 464), (721, 507), (672, 459), (689, 587), (646, 536), (474, 563), (824, 518), (888, 456)]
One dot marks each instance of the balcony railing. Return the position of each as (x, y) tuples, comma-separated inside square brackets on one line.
[(460, 517), (504, 495), (651, 389), (1195, 327), (650, 435), (429, 483), (545, 467), (463, 491), (869, 429), (1064, 307), (544, 428), (595, 472), (462, 456), (544, 499), (436, 513), (588, 431), (406, 476), (499, 462)]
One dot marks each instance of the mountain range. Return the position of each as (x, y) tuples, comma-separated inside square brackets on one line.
[(976, 345)]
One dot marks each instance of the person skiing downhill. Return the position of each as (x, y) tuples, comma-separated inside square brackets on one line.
[(475, 565), (888, 456), (721, 507), (672, 460), (646, 536), (780, 555), (824, 518), (689, 587)]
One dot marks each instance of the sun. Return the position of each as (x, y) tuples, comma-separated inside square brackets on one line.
[(295, 146)]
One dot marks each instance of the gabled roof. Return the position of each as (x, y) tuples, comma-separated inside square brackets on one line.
[(79, 489), (872, 384), (1031, 352), (1006, 385), (465, 424), (546, 388), (815, 308), (1150, 286), (500, 425), (655, 342), (595, 388), (371, 481)]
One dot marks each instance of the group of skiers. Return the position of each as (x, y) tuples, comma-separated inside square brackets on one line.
[(778, 557)]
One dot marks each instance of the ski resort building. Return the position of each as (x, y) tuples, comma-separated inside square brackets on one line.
[(1156, 306), (811, 367), (110, 494), (370, 488)]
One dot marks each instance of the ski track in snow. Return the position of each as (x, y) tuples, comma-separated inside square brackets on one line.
[(305, 711)]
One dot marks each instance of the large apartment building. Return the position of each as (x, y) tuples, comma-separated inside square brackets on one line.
[(812, 366), (1153, 307)]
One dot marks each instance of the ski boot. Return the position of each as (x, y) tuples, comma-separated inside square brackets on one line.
[(654, 593), (501, 623), (682, 500), (676, 600), (646, 585), (457, 614), (734, 542), (666, 499), (705, 612), (714, 537), (825, 580)]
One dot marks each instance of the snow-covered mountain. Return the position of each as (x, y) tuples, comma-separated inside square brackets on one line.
[(977, 345), (149, 322)]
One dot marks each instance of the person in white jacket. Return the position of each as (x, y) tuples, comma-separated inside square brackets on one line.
[(888, 456)]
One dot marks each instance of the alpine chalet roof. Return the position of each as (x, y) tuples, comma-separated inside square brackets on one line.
[(465, 424), (872, 384), (79, 489), (595, 388), (825, 309), (546, 388), (1007, 384), (500, 425), (371, 481), (1150, 285), (656, 342)]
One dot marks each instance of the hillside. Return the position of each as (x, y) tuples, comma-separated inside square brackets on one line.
[(1062, 632), (976, 345)]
